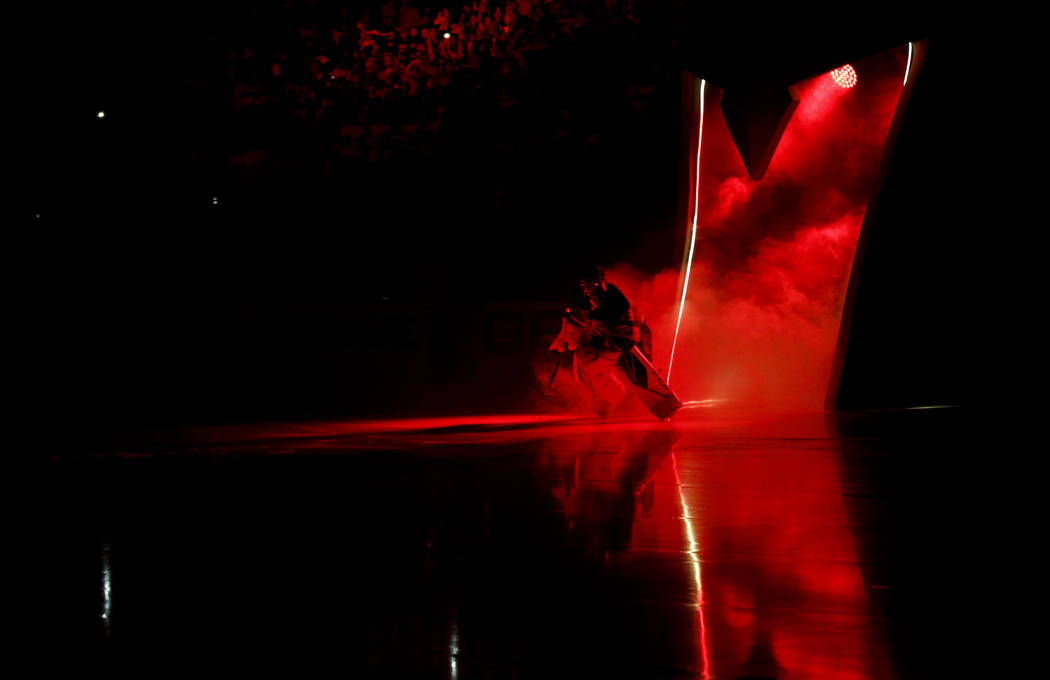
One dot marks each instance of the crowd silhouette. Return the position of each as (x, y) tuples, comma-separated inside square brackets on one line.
[(371, 82)]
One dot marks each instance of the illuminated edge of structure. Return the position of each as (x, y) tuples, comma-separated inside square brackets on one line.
[(907, 70), (692, 238)]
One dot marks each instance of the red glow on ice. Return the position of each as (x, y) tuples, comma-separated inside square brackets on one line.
[(844, 76)]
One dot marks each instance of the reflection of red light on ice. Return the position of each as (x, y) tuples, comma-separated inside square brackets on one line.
[(694, 556), (844, 76)]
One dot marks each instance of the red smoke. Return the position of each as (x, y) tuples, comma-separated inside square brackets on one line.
[(773, 256)]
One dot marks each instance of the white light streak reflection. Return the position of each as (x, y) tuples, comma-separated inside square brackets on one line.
[(692, 238), (107, 588), (453, 652), (694, 558)]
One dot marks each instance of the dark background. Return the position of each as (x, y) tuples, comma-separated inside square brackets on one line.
[(424, 284)]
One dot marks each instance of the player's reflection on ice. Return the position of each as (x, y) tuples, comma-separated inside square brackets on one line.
[(604, 483)]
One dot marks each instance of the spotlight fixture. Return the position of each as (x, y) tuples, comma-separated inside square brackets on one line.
[(844, 76)]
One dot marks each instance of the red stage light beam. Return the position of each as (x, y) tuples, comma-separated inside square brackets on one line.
[(692, 238)]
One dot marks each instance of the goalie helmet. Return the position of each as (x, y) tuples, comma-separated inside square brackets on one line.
[(591, 278)]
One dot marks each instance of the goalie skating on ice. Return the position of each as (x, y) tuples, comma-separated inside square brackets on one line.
[(611, 349)]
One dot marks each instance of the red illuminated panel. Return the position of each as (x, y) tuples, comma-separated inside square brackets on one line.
[(770, 258)]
